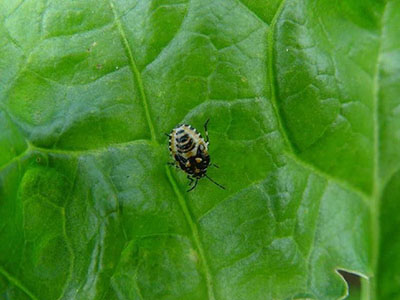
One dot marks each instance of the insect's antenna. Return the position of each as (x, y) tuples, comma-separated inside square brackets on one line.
[(222, 187), (205, 130)]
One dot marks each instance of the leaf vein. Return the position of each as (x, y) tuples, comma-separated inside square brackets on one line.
[(167, 46), (376, 189), (135, 71), (67, 239), (195, 233), (252, 12), (335, 180), (17, 283), (16, 158)]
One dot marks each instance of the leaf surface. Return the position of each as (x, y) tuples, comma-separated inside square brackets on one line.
[(302, 103)]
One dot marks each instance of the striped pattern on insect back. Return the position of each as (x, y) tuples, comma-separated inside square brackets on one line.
[(184, 142), (182, 138), (186, 147)]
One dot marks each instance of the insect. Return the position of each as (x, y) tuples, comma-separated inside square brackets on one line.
[(190, 152)]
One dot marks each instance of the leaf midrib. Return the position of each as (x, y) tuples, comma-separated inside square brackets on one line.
[(135, 71), (181, 199)]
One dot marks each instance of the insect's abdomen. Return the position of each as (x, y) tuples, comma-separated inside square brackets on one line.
[(185, 143)]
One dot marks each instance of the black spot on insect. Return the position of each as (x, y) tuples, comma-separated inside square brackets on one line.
[(186, 147), (190, 152), (183, 138)]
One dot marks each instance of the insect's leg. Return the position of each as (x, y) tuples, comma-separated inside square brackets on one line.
[(214, 165), (205, 129), (191, 179), (170, 163), (195, 184), (216, 183), (167, 134)]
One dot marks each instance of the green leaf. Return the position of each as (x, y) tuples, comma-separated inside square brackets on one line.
[(301, 97)]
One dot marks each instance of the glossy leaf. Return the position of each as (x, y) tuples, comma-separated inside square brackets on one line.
[(302, 101)]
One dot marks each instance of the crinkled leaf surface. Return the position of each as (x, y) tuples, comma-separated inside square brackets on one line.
[(304, 108)]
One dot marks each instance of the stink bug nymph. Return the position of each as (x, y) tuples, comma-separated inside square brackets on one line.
[(190, 153)]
